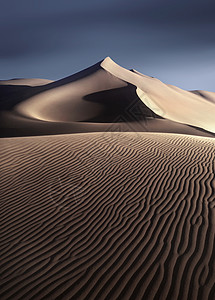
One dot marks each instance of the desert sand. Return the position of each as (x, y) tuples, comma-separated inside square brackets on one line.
[(107, 188)]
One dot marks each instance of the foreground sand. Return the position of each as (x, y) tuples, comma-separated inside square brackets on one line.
[(108, 216)]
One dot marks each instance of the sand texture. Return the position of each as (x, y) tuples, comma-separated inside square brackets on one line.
[(102, 196), (108, 216)]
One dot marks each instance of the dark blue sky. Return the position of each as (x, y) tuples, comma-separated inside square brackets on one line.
[(171, 40)]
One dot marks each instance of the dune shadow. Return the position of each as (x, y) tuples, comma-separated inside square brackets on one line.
[(120, 104), (11, 95)]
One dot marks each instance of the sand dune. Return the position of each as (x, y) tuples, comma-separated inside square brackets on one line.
[(108, 216), (23, 81), (101, 95), (107, 188)]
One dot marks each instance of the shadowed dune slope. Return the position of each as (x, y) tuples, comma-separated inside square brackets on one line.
[(108, 216), (101, 95)]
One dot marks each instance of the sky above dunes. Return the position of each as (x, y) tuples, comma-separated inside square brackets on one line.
[(171, 40)]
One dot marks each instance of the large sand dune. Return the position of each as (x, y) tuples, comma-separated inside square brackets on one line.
[(107, 188), (101, 95)]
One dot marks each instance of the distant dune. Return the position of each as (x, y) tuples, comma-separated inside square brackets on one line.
[(29, 82), (107, 188), (209, 96)]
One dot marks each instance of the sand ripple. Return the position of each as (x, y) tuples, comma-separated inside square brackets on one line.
[(108, 216)]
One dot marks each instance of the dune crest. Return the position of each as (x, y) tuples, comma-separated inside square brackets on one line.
[(167, 101)]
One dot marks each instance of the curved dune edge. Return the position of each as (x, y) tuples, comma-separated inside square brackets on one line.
[(167, 101), (132, 77), (65, 102), (107, 216)]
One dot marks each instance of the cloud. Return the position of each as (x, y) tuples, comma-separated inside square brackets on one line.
[(53, 32)]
